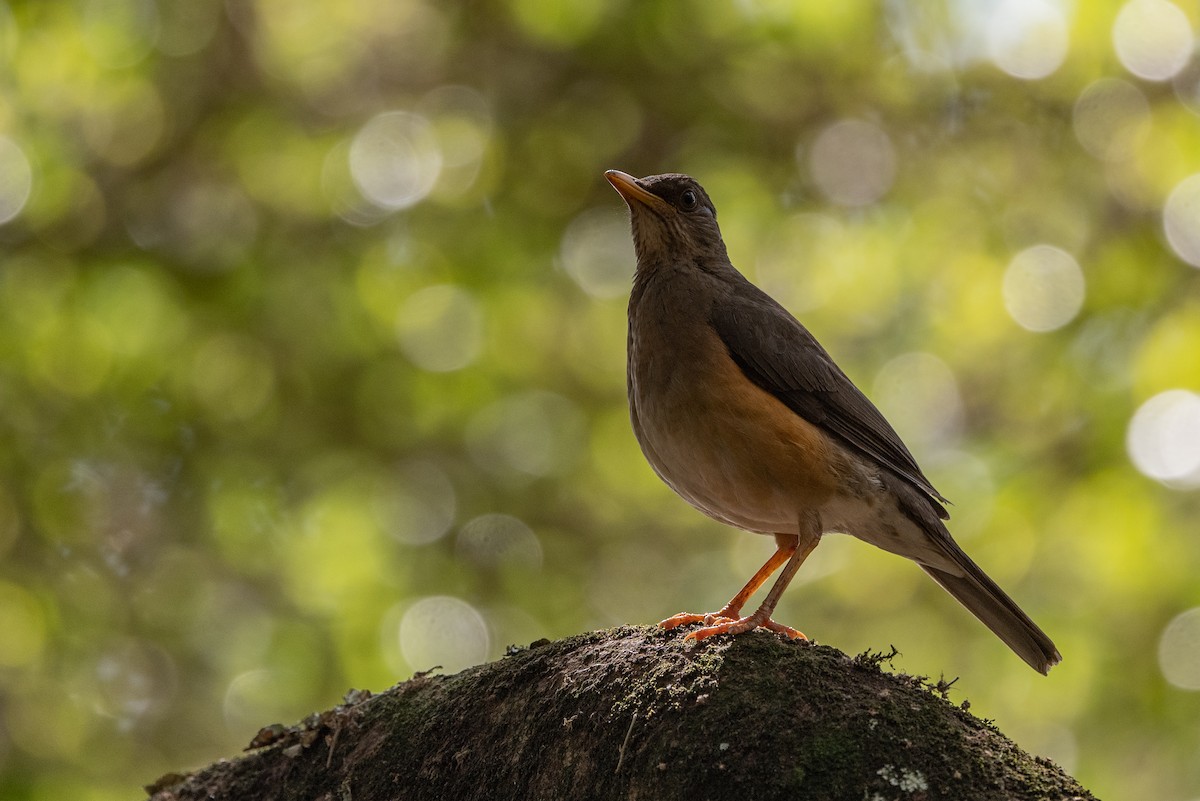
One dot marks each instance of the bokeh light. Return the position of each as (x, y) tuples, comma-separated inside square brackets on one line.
[(395, 159), (1181, 220), (1043, 288), (183, 226), (597, 253), (260, 694), (120, 33), (928, 41), (1179, 650), (23, 622), (16, 179), (534, 434), (1112, 117), (790, 258), (440, 328), (498, 540), (1052, 741), (1163, 438), (462, 123), (443, 630), (919, 395), (1153, 38), (136, 682), (1187, 86), (853, 162), (45, 722), (555, 24), (332, 554), (125, 130), (419, 506), (232, 376), (1028, 38)]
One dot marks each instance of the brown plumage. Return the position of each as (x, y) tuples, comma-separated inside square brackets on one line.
[(742, 412)]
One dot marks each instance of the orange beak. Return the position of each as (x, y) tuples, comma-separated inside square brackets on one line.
[(632, 192)]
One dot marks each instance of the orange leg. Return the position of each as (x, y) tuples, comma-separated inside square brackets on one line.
[(726, 620)]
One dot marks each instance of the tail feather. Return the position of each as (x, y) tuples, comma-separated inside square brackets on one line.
[(939, 555), (984, 599)]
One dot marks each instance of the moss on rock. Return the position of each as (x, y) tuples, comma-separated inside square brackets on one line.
[(634, 713)]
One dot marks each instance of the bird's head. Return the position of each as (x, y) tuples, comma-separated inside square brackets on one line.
[(672, 216)]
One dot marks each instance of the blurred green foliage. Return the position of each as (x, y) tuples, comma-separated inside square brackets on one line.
[(312, 340)]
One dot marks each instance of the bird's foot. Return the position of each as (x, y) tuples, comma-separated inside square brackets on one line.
[(727, 622), (728, 614)]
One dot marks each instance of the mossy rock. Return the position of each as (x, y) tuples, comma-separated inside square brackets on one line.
[(634, 713)]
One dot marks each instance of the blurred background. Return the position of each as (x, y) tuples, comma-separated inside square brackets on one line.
[(312, 327)]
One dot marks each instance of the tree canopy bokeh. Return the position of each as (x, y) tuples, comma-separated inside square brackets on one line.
[(312, 320)]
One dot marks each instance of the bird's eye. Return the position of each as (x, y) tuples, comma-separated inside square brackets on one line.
[(688, 200)]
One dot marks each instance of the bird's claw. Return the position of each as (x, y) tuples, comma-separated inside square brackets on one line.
[(724, 622), (786, 631), (687, 618)]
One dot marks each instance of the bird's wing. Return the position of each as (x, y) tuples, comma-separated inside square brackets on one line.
[(778, 354)]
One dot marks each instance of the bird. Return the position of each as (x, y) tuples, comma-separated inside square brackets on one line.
[(742, 413)]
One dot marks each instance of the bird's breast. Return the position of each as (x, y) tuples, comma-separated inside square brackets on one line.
[(727, 446)]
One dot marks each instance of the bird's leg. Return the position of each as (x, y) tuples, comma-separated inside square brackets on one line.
[(786, 545), (801, 548)]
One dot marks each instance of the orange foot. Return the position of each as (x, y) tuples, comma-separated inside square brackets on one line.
[(726, 621)]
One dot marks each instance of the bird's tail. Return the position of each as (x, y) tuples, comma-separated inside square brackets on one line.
[(984, 599), (939, 555)]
